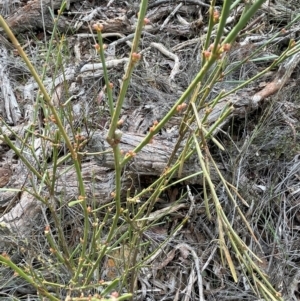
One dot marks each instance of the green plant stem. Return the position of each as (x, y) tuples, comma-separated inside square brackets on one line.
[(55, 160), (69, 263), (173, 110), (63, 244), (243, 21), (47, 99), (24, 160), (136, 240), (129, 70), (105, 74), (44, 69), (221, 26), (187, 122), (64, 135), (228, 109), (117, 198), (54, 247), (210, 27), (159, 184), (97, 230), (29, 279), (118, 177)]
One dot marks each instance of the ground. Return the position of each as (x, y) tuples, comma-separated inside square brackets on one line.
[(260, 138)]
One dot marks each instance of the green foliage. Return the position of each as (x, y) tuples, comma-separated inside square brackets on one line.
[(82, 263)]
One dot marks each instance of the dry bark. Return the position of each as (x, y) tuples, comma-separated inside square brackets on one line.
[(151, 160), (35, 15), (5, 174)]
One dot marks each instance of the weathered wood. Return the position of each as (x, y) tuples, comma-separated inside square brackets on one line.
[(151, 160), (98, 177), (5, 174), (98, 181), (35, 14), (11, 106)]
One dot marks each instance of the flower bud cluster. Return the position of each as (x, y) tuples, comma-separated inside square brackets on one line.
[(152, 128), (181, 107), (220, 50), (98, 27)]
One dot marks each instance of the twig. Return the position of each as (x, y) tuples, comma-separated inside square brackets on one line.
[(209, 258), (198, 270), (188, 289), (109, 64), (192, 199), (284, 74), (182, 21), (110, 3), (171, 55), (172, 14)]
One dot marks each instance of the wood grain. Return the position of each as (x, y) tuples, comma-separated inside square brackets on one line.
[(5, 174)]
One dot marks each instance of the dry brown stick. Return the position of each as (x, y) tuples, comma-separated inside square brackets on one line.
[(283, 75)]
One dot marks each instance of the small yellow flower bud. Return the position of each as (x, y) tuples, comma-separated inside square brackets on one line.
[(146, 21), (120, 122), (216, 16), (98, 27), (136, 57), (226, 47), (207, 54)]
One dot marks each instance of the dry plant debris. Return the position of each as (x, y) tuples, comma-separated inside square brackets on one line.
[(261, 140)]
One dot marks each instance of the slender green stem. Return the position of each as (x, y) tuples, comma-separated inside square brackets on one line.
[(129, 70), (54, 247), (173, 110), (221, 25), (211, 24), (46, 98), (55, 160), (105, 74), (5, 260), (20, 155), (243, 21), (64, 134), (117, 198)]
